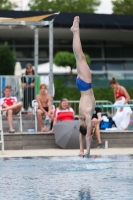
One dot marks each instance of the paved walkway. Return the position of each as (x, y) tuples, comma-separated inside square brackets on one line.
[(63, 152)]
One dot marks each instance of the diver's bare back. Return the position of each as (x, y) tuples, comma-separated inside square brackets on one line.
[(87, 100), (44, 99), (87, 103)]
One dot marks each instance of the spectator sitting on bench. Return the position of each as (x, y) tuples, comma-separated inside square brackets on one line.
[(63, 112), (122, 115), (10, 106), (44, 106)]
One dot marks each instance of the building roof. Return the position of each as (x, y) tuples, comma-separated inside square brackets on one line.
[(101, 21), (87, 20), (11, 14)]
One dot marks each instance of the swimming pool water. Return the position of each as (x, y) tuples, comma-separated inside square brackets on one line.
[(67, 178)]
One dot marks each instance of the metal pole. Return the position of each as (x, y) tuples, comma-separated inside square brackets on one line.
[(35, 58), (36, 50), (51, 59)]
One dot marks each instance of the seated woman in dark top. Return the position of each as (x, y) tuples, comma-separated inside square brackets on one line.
[(96, 131)]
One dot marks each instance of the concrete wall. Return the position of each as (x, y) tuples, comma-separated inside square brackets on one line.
[(19, 141)]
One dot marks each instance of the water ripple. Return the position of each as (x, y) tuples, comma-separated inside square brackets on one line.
[(63, 178)]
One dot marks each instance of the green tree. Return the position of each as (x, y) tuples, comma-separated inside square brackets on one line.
[(64, 5), (123, 7), (65, 59), (7, 60), (6, 5)]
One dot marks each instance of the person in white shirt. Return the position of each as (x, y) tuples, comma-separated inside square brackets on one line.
[(9, 106)]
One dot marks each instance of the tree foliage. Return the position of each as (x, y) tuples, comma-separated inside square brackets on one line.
[(65, 59), (6, 5), (123, 7), (65, 5), (7, 60)]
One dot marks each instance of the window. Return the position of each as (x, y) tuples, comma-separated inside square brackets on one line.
[(43, 54), (99, 76), (114, 70), (115, 66), (94, 52), (113, 52), (129, 66), (3, 40), (24, 41), (24, 52), (97, 66), (62, 48), (127, 52)]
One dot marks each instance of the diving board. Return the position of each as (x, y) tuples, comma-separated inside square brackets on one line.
[(115, 106)]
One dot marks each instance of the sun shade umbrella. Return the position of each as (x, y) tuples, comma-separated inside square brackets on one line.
[(67, 134)]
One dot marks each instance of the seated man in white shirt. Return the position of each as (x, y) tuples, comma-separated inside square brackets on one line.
[(10, 106)]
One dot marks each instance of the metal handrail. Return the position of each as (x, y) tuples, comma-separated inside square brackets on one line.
[(115, 106), (74, 104)]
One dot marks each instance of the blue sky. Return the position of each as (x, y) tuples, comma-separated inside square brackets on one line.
[(105, 7)]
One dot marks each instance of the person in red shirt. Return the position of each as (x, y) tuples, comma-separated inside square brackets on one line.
[(9, 106), (119, 92), (123, 114), (63, 112)]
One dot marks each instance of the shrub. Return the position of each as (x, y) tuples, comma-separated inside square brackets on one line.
[(7, 60)]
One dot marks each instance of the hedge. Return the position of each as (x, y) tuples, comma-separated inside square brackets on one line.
[(72, 93)]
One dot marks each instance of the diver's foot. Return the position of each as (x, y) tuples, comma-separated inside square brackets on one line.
[(86, 155), (81, 153), (75, 26)]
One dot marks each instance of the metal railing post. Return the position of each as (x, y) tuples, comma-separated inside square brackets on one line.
[(36, 41), (51, 59)]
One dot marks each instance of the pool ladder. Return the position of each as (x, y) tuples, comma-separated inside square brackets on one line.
[(1, 134)]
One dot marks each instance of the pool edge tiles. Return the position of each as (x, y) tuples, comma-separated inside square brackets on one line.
[(63, 152)]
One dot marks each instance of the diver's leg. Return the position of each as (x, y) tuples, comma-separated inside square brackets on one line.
[(77, 48), (88, 116), (81, 143), (88, 137), (81, 137), (82, 66)]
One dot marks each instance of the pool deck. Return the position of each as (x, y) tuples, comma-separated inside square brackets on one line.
[(62, 152)]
